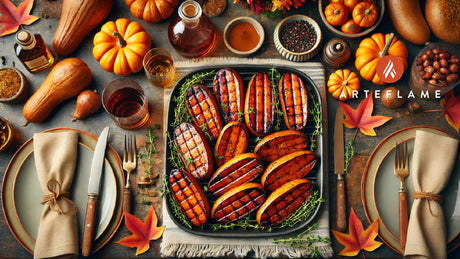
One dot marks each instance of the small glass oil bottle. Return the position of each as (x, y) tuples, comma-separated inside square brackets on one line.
[(32, 51)]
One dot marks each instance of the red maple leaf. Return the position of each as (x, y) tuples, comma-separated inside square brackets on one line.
[(12, 16), (451, 106), (358, 238), (362, 118), (143, 232)]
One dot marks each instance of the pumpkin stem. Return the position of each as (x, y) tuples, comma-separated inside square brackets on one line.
[(345, 83), (384, 51), (121, 41)]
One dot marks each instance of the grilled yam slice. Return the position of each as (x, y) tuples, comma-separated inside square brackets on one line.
[(194, 150), (259, 111), (229, 91), (233, 140), (204, 110), (190, 196), (238, 202), (294, 101), (235, 172), (296, 165), (280, 143), (283, 202)]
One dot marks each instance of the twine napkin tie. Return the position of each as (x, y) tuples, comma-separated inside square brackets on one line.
[(55, 194)]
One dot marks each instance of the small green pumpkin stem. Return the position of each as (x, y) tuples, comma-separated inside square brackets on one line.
[(121, 41), (384, 52)]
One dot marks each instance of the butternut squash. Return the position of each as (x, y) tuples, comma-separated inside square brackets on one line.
[(443, 17), (78, 18), (408, 20), (67, 79)]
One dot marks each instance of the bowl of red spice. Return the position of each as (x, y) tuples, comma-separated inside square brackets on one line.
[(14, 87), (297, 38)]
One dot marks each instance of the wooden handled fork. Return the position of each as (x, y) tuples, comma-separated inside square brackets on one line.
[(401, 169)]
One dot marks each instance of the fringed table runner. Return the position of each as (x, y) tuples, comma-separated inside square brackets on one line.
[(178, 243)]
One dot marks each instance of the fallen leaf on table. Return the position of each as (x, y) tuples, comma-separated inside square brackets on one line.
[(143, 232), (12, 16), (358, 238), (362, 117), (451, 106)]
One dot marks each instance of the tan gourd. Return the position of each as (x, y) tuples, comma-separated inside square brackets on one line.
[(78, 18), (67, 79)]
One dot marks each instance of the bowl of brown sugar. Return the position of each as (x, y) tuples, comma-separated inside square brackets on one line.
[(14, 87)]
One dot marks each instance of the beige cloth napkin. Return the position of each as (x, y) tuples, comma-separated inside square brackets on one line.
[(55, 160), (433, 160)]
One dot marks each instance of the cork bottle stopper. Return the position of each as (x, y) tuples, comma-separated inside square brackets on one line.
[(24, 37)]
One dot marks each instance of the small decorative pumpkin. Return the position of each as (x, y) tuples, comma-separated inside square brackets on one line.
[(350, 4), (152, 11), (351, 27), (365, 14), (342, 83), (120, 46), (372, 49), (336, 14)]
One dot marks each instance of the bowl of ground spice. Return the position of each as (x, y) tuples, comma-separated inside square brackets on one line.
[(14, 86), (244, 35), (297, 38)]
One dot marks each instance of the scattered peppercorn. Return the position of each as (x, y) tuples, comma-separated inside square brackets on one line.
[(10, 83), (298, 36)]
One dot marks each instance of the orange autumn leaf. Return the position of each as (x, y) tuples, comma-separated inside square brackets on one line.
[(451, 106), (143, 232), (12, 16), (358, 238), (362, 117)]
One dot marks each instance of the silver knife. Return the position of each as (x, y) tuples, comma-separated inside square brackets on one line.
[(89, 228)]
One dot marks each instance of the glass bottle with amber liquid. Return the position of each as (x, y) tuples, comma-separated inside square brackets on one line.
[(32, 51), (191, 33)]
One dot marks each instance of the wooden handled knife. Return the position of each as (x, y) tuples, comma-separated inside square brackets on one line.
[(339, 165)]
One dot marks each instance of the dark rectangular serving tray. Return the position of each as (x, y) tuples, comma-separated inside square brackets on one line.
[(316, 176)]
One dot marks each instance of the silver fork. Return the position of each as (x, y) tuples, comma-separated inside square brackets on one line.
[(129, 164), (401, 168)]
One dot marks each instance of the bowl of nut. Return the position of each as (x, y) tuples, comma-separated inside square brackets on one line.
[(435, 70)]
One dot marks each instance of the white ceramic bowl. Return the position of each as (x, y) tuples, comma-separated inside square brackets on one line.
[(364, 31), (297, 56), (253, 22)]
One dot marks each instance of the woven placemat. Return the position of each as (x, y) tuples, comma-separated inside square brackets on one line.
[(178, 243)]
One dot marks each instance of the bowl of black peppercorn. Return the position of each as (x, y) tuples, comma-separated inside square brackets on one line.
[(297, 38)]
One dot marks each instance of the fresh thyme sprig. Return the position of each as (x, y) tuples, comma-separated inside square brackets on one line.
[(315, 111), (349, 153), (305, 242), (148, 150), (302, 214), (180, 111), (275, 77), (175, 208), (174, 156)]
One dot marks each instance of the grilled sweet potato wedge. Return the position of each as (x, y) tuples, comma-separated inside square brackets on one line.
[(235, 172), (190, 196), (233, 140), (229, 91), (194, 150), (294, 101), (296, 165), (280, 143), (283, 202), (259, 111), (202, 105), (238, 202)]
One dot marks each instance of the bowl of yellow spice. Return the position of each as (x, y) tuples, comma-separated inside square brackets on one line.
[(14, 87)]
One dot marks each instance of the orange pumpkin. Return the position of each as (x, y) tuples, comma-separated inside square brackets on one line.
[(342, 84), (350, 4), (351, 27), (120, 46), (336, 14), (152, 10), (372, 49), (365, 14)]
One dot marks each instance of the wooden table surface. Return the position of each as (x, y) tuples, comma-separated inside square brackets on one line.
[(49, 12)]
